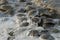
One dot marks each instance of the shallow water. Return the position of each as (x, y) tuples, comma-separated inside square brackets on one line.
[(8, 24)]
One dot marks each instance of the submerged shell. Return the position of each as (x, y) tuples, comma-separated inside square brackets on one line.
[(28, 8), (54, 30), (44, 31), (22, 10), (24, 24), (3, 1), (48, 20), (28, 3), (47, 12), (34, 33), (36, 2), (10, 38), (4, 7), (48, 23), (31, 13), (20, 18), (11, 33), (46, 37), (20, 15), (35, 20), (40, 23), (8, 10), (22, 0)]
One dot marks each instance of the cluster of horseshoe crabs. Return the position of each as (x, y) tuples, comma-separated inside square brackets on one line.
[(43, 16), (38, 12)]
